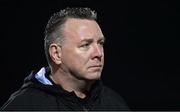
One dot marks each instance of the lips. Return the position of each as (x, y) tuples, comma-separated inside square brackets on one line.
[(95, 66)]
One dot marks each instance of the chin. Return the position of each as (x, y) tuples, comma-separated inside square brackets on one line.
[(94, 76)]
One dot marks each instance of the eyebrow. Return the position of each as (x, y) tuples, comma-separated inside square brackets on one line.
[(90, 40)]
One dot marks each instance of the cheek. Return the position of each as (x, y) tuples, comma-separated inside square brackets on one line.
[(81, 59), (74, 58), (82, 56)]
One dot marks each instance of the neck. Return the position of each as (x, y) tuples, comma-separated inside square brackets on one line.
[(71, 83)]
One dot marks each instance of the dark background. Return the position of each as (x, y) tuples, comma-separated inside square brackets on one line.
[(141, 52)]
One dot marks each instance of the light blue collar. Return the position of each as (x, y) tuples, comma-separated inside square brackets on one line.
[(40, 76)]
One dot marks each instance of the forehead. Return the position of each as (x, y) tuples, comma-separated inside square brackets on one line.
[(82, 28)]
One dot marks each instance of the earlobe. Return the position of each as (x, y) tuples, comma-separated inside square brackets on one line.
[(55, 53)]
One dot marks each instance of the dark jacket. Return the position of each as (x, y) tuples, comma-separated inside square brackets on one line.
[(34, 95)]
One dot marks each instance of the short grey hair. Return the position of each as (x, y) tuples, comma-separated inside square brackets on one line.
[(54, 28)]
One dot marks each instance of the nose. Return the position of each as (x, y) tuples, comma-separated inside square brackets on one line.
[(98, 51)]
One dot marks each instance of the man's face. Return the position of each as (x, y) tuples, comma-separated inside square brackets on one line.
[(82, 50)]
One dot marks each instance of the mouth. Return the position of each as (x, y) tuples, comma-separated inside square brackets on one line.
[(96, 66)]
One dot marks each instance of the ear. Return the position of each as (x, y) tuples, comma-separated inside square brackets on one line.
[(55, 53)]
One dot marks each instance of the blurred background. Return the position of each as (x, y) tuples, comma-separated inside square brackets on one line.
[(141, 51)]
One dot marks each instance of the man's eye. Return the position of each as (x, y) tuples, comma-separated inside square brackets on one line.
[(101, 43), (85, 45)]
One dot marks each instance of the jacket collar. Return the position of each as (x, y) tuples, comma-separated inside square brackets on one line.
[(40, 80)]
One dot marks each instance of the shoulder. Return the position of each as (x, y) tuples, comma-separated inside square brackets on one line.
[(109, 90), (27, 99), (113, 98), (111, 93), (27, 95)]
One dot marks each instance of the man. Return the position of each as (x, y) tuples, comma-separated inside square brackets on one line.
[(74, 50)]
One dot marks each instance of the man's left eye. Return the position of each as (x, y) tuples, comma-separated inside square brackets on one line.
[(85, 45), (102, 43)]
